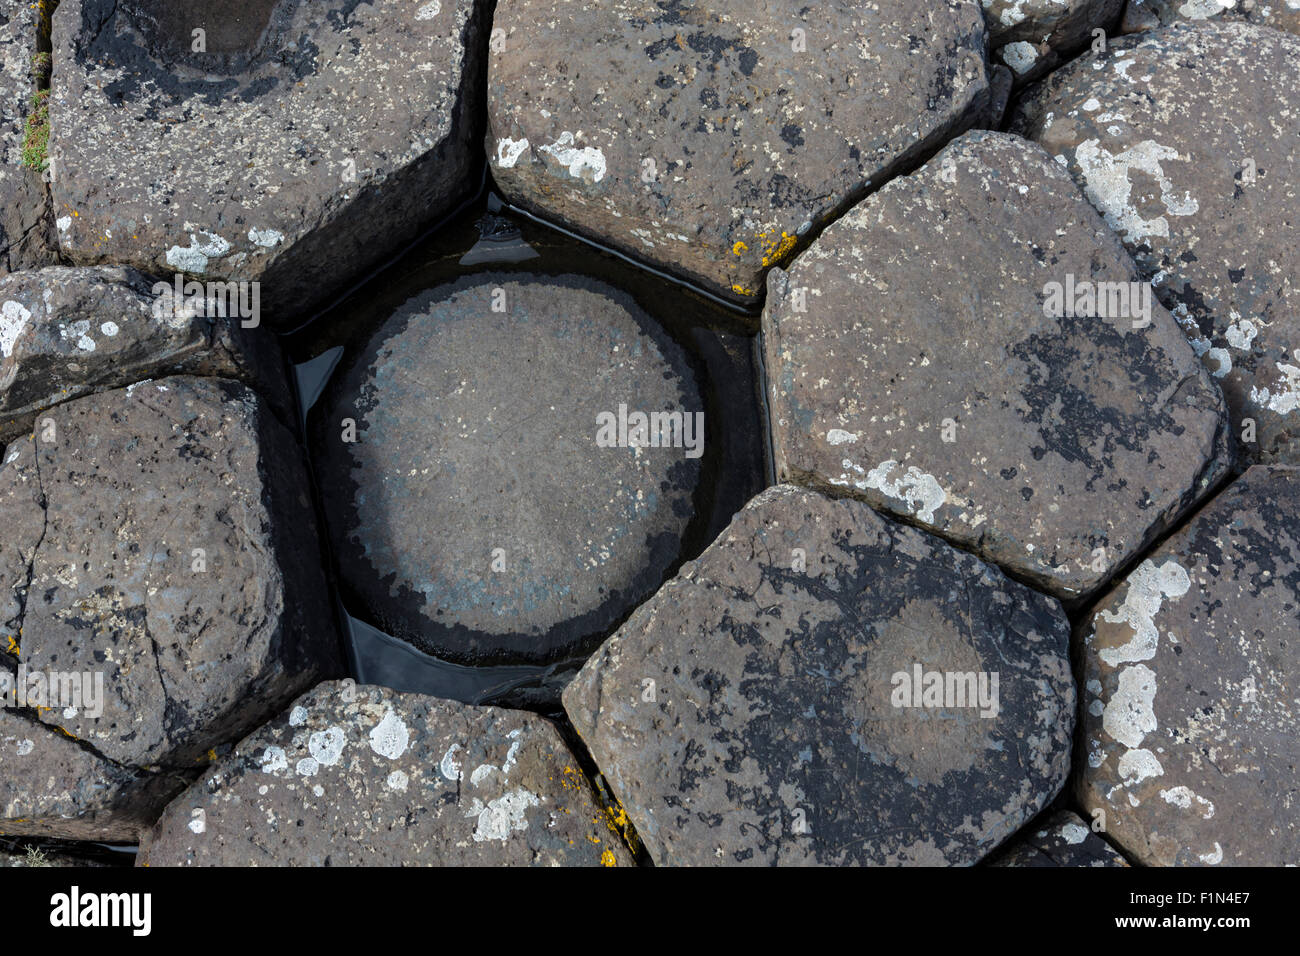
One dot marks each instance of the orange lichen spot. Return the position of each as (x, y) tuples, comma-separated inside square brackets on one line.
[(607, 858), (739, 248), (775, 250)]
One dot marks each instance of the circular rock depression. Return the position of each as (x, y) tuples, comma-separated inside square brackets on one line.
[(476, 514)]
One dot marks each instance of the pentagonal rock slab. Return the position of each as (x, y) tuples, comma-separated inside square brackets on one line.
[(304, 143), (26, 229), (479, 506), (1191, 670), (1033, 36), (776, 701), (1186, 140), (65, 332), (365, 776), (1063, 840), (912, 362), (751, 126), (160, 537)]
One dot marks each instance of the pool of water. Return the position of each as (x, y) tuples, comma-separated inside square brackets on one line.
[(487, 235)]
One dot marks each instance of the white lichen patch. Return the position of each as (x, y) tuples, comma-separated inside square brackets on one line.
[(1074, 833), (274, 760), (196, 257), (266, 238), (1107, 184), (1020, 56), (1283, 397), (509, 150), (1148, 587), (587, 163), (390, 736), (921, 492), (1184, 798), (838, 436), (504, 815), (1130, 714), (1138, 765), (13, 319), (326, 746)]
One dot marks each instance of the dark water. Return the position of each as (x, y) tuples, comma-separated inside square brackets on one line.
[(488, 236)]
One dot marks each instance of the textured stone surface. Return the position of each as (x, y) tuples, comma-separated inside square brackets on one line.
[(1065, 839), (475, 515), (365, 776), (702, 140), (66, 332), (924, 376), (311, 140), (1187, 140), (1033, 37), (746, 713), (1192, 676), (26, 229), (1149, 14), (52, 786), (160, 536)]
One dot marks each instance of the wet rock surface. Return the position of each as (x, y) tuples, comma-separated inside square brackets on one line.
[(304, 143), (1033, 37), (1190, 731), (364, 776), (152, 541), (912, 363), (66, 332), (750, 712), (1065, 839), (1193, 162), (751, 127), (26, 229), (477, 513)]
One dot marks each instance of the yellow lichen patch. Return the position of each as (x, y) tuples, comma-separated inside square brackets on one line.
[(742, 290), (13, 646), (775, 250), (739, 249), (607, 859)]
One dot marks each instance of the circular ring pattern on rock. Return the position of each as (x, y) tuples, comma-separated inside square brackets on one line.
[(477, 515)]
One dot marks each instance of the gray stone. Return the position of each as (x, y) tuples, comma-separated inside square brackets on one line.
[(1186, 140), (67, 332), (1191, 669), (911, 363), (1066, 839), (26, 229), (1033, 37), (712, 142), (475, 515), (51, 785), (751, 711), (1150, 14), (365, 776), (162, 538), (312, 139)]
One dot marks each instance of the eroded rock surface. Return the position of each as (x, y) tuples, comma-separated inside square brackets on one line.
[(1190, 668), (1064, 840), (66, 332), (912, 362), (1186, 140), (160, 545), (307, 141), (1033, 37), (365, 776), (1150, 14), (752, 125), (26, 229), (752, 713), (477, 513)]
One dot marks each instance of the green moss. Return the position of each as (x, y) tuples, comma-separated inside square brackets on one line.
[(36, 139)]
